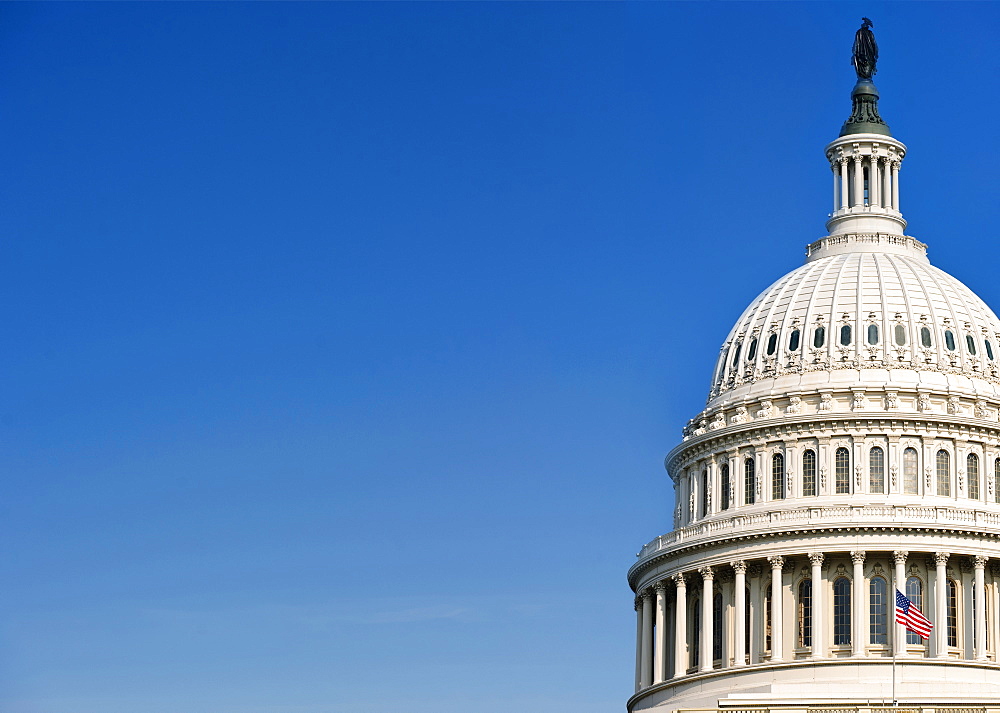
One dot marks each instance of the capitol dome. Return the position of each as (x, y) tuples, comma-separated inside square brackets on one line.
[(866, 310), (836, 504)]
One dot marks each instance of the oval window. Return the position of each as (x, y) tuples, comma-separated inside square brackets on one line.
[(845, 334), (989, 349), (949, 340), (900, 335), (819, 338), (925, 337), (793, 341), (772, 344), (752, 349), (736, 354), (872, 334), (971, 343)]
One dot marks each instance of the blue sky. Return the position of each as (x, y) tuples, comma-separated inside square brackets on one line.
[(345, 341)]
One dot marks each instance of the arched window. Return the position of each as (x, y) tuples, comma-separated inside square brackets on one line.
[(915, 593), (717, 626), (989, 349), (996, 480), (876, 470), (805, 613), (900, 335), (925, 337), (911, 478), (772, 344), (793, 341), (949, 340), (767, 618), (845, 335), (749, 481), (777, 477), (877, 611), (952, 613), (704, 492), (972, 470), (809, 472), (873, 334), (724, 477), (944, 473), (841, 611), (971, 344), (752, 349), (736, 354), (842, 470), (819, 337), (695, 638)]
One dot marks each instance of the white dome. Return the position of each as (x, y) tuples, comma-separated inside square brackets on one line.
[(876, 310)]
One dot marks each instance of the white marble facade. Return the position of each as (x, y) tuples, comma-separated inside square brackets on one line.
[(850, 446)]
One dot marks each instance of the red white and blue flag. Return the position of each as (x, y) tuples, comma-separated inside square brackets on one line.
[(910, 617)]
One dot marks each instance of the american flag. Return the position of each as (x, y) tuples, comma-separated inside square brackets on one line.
[(911, 618)]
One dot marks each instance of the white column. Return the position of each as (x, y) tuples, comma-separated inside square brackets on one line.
[(899, 640), (887, 184), (818, 620), (638, 643), (858, 619), (844, 193), (707, 595), (646, 676), (776, 562), (874, 184), (895, 185), (755, 644), (680, 627), (836, 184), (941, 600), (739, 618), (979, 563), (859, 182), (660, 648)]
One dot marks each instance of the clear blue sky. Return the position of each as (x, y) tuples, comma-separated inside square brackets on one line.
[(344, 342)]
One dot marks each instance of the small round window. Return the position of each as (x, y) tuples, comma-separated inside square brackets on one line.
[(772, 344), (925, 337), (793, 341), (971, 344), (900, 335), (949, 340), (819, 338), (845, 334), (873, 334)]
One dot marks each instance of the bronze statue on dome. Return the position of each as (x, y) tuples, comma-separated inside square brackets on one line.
[(865, 50)]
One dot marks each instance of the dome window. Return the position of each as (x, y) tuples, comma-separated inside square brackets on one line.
[(736, 354), (901, 335), (971, 343), (949, 340), (925, 337), (772, 344), (793, 341), (752, 349), (872, 334), (989, 348), (819, 337), (845, 335)]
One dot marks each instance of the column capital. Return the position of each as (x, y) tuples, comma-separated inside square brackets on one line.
[(707, 573), (899, 557), (858, 557), (739, 566), (679, 580), (979, 562), (816, 558), (941, 558), (646, 593), (776, 561), (754, 570), (638, 602), (660, 586)]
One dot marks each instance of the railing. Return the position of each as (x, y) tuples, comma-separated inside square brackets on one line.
[(898, 514)]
